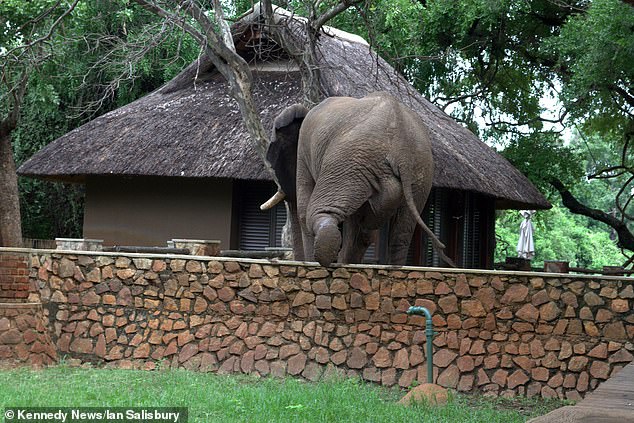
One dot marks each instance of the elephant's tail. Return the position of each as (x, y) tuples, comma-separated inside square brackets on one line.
[(409, 198)]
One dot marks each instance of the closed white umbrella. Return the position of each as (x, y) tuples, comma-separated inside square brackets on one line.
[(525, 245)]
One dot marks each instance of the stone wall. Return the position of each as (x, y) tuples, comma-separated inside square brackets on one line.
[(499, 333), (24, 336), (24, 331)]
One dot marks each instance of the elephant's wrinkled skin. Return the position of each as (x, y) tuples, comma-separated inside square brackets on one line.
[(355, 164)]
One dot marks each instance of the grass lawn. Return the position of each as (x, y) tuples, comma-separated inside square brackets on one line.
[(239, 398)]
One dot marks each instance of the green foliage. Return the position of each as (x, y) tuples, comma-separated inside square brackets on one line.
[(542, 157), (113, 53), (51, 210), (17, 19), (595, 52), (48, 209), (105, 55), (211, 397), (476, 59), (560, 235)]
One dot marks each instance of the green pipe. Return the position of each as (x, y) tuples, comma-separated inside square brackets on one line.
[(429, 332)]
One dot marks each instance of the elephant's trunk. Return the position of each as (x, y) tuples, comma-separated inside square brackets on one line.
[(273, 201), (327, 240)]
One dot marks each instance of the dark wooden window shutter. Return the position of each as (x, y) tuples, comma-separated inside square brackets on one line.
[(258, 229)]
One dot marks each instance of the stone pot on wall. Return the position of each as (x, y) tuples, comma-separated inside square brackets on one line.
[(197, 247), (79, 244), (556, 266)]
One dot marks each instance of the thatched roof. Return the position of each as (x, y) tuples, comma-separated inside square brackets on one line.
[(192, 128)]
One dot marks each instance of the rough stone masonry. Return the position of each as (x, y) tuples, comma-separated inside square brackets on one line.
[(499, 333)]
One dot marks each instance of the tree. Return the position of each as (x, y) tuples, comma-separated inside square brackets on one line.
[(519, 72), (10, 222), (210, 29), (26, 30), (204, 22), (78, 61)]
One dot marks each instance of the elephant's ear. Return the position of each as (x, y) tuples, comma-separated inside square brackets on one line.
[(282, 152)]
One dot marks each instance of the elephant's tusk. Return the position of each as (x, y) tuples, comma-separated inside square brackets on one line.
[(273, 201)]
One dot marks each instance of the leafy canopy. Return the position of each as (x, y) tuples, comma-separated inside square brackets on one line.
[(106, 54), (518, 73)]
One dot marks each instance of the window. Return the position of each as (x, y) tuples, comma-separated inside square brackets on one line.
[(257, 229)]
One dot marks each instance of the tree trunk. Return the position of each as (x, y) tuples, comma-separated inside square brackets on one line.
[(10, 224), (238, 75), (301, 48)]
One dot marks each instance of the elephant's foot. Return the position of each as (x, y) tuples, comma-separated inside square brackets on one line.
[(327, 240)]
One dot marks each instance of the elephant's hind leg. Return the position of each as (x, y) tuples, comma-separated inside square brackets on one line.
[(402, 228)]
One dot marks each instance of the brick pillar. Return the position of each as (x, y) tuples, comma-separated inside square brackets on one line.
[(14, 277)]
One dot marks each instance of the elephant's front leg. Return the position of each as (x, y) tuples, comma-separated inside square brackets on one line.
[(296, 231), (356, 240), (305, 188)]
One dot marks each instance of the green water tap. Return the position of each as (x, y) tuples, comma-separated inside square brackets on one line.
[(429, 333)]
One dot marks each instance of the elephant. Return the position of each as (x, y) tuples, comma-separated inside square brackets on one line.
[(346, 168)]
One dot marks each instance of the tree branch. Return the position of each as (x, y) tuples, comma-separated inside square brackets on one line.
[(225, 31), (559, 120), (157, 10), (625, 237), (45, 37), (618, 200), (622, 170), (629, 98), (10, 122), (332, 12)]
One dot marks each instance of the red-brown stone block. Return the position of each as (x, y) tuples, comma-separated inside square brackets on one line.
[(449, 377), (599, 369), (517, 378), (473, 308), (444, 357), (515, 293)]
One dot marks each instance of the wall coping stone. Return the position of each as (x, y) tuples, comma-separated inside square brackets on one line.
[(315, 264), (5, 306), (79, 239), (195, 241)]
